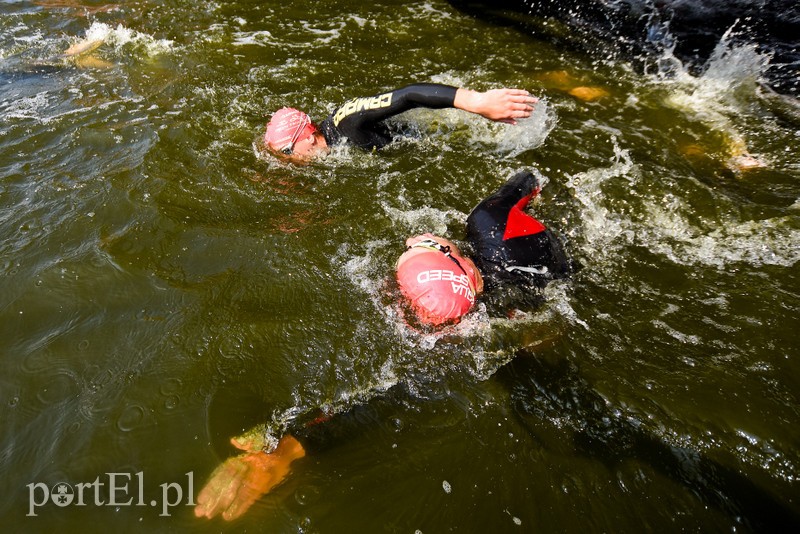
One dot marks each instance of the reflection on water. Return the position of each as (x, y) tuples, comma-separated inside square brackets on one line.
[(164, 288)]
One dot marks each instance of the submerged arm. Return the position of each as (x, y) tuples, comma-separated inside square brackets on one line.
[(241, 480)]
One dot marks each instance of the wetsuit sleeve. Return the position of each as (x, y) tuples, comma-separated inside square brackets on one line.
[(509, 243), (329, 431), (361, 119), (502, 212)]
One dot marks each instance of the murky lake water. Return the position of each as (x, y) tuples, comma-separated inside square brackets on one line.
[(163, 288)]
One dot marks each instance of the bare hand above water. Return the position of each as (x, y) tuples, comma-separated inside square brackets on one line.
[(502, 105)]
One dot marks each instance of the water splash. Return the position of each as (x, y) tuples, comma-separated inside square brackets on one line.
[(529, 133), (509, 141), (668, 227), (306, 410), (425, 219), (120, 36), (767, 242), (477, 345), (722, 95), (603, 231), (730, 78)]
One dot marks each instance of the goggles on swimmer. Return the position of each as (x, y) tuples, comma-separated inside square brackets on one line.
[(432, 244), (288, 149)]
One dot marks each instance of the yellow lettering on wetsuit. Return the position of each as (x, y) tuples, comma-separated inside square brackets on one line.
[(360, 104)]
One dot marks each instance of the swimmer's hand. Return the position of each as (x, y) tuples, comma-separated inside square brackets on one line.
[(501, 105), (241, 480)]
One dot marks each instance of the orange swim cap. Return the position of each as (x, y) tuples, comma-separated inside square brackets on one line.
[(439, 284)]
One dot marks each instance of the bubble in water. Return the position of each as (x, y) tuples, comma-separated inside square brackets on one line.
[(131, 417), (59, 388), (446, 487), (171, 402), (398, 424), (307, 495), (170, 386)]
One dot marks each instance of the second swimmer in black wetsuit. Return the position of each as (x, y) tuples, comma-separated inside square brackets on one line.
[(292, 135), (441, 286), (511, 249), (510, 245)]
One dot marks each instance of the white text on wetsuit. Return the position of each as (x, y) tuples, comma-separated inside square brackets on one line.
[(359, 104), (458, 282)]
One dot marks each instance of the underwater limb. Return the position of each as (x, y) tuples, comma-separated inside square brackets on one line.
[(241, 480)]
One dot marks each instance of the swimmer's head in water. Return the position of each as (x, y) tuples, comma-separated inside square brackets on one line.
[(291, 134), (440, 284)]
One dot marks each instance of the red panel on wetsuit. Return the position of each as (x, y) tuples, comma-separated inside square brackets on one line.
[(519, 223)]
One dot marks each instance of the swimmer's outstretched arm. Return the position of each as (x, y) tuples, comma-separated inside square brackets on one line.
[(502, 105), (241, 480)]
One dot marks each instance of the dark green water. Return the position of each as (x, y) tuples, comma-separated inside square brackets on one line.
[(162, 288)]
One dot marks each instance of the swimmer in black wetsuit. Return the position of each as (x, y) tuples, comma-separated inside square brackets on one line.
[(292, 135), (510, 245), (441, 285), (511, 249)]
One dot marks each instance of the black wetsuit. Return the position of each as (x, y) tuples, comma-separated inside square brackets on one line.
[(510, 245), (361, 120)]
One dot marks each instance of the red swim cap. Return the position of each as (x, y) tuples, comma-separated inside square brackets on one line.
[(440, 287), (286, 126)]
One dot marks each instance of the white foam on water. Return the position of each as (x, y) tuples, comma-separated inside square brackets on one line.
[(529, 133), (507, 140), (425, 219), (773, 241), (686, 339), (25, 107), (558, 302), (120, 36), (489, 347), (603, 231), (362, 269), (429, 10), (721, 96), (257, 38), (667, 227), (359, 20), (19, 38), (322, 36)]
